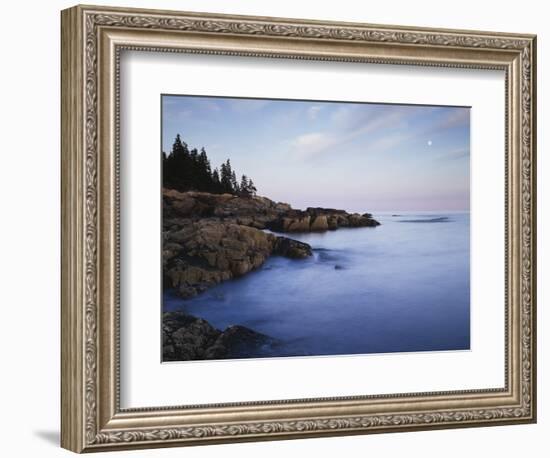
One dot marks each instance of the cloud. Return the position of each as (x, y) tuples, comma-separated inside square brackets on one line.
[(387, 142), (350, 122), (313, 111), (454, 155), (370, 117), (363, 118), (210, 105), (351, 116), (311, 144), (456, 117), (314, 144)]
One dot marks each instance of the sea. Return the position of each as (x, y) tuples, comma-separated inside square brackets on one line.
[(403, 286)]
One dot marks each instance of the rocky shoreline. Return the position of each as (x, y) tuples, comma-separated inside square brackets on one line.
[(188, 338), (210, 238)]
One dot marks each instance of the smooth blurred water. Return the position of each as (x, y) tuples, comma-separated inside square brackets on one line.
[(400, 287)]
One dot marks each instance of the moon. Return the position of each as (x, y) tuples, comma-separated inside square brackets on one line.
[(429, 143)]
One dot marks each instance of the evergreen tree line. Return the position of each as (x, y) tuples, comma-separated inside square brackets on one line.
[(190, 170)]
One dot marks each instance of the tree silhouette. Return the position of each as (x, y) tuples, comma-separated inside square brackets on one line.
[(234, 184), (191, 170), (244, 186), (225, 178), (251, 188), (216, 185)]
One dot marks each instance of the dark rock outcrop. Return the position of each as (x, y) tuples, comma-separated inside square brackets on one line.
[(291, 248), (187, 338), (319, 220)]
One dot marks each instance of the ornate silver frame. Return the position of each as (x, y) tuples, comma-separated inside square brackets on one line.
[(92, 39)]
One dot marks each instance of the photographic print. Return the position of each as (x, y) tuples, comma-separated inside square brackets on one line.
[(313, 228)]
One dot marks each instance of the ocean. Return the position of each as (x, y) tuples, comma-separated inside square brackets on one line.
[(403, 286)]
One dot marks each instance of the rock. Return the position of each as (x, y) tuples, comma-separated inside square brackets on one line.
[(185, 338), (320, 223), (296, 224), (332, 222), (314, 211), (357, 220), (241, 341), (210, 238), (186, 291), (354, 220), (206, 252), (240, 267), (257, 212), (319, 220), (291, 248), (283, 208)]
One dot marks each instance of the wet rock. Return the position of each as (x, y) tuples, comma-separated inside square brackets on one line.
[(242, 341), (292, 248), (186, 338), (297, 224), (320, 223)]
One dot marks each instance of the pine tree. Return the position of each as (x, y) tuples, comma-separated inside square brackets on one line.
[(244, 186), (204, 162), (187, 170), (251, 188), (179, 148), (216, 180), (234, 184), (225, 178), (203, 172)]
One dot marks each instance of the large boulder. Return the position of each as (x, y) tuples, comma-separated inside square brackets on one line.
[(299, 223), (206, 252), (185, 338), (319, 223), (291, 248)]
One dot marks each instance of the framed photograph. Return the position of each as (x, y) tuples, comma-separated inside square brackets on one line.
[(279, 228)]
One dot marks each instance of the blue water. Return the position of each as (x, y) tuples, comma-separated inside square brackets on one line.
[(400, 287)]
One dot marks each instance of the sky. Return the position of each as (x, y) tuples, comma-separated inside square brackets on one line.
[(359, 157)]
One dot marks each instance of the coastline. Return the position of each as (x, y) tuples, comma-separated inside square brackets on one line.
[(401, 288), (212, 238)]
